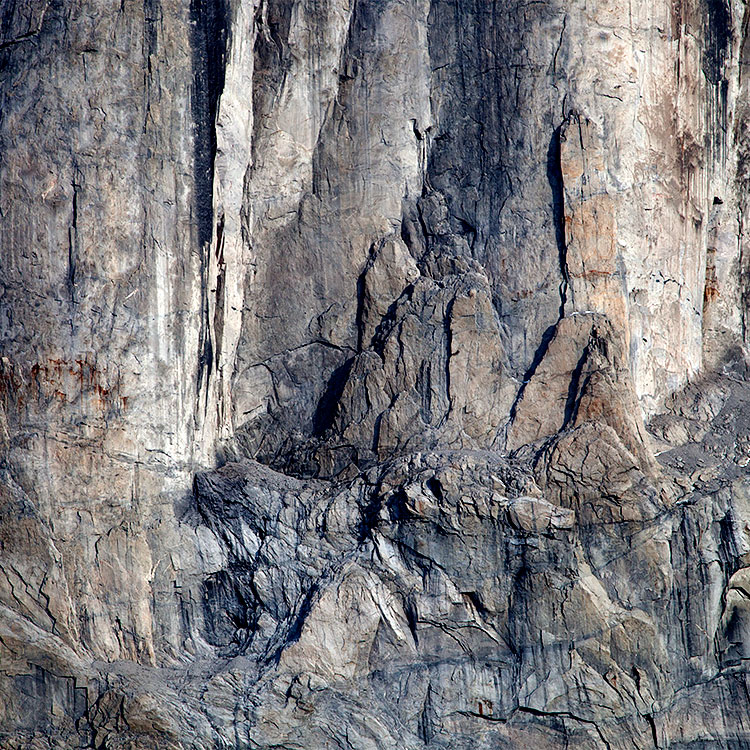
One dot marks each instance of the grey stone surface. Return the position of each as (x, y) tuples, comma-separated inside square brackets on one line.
[(373, 374)]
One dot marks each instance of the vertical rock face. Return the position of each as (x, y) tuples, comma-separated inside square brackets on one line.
[(373, 374), (102, 222)]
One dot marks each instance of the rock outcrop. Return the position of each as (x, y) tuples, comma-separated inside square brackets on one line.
[(374, 374)]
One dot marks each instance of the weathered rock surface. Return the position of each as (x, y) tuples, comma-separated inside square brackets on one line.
[(374, 374)]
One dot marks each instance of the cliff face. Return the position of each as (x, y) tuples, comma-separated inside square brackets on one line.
[(374, 374)]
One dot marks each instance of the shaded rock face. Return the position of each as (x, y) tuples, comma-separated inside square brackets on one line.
[(374, 374)]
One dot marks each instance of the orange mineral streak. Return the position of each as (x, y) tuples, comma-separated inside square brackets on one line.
[(55, 382)]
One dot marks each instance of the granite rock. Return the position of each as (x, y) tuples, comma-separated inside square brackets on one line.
[(374, 374)]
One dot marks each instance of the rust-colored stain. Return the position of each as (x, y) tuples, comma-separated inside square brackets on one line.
[(522, 294), (711, 287), (59, 381), (710, 294)]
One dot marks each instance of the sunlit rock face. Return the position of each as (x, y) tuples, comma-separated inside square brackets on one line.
[(373, 374)]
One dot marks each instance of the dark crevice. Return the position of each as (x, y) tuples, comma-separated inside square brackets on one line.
[(228, 614), (376, 433), (448, 337), (151, 17), (20, 39), (73, 243), (369, 518), (718, 35), (423, 387), (539, 355), (717, 40), (426, 728), (326, 409), (434, 486), (209, 42), (576, 388), (361, 343), (555, 179), (151, 21), (465, 229), (295, 631), (729, 554), (397, 506), (205, 347), (210, 39), (654, 735), (219, 293), (557, 186)]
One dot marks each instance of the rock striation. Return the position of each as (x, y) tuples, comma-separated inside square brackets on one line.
[(374, 374)]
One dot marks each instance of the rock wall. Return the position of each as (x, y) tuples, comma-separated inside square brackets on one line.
[(106, 219), (373, 374)]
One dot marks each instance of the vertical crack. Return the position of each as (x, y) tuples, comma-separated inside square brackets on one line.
[(555, 179), (73, 243), (210, 21)]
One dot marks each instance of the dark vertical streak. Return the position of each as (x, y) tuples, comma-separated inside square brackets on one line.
[(151, 17), (717, 39), (73, 245), (210, 34), (718, 34), (555, 179)]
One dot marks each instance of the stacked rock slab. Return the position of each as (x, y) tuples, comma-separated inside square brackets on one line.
[(373, 374)]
